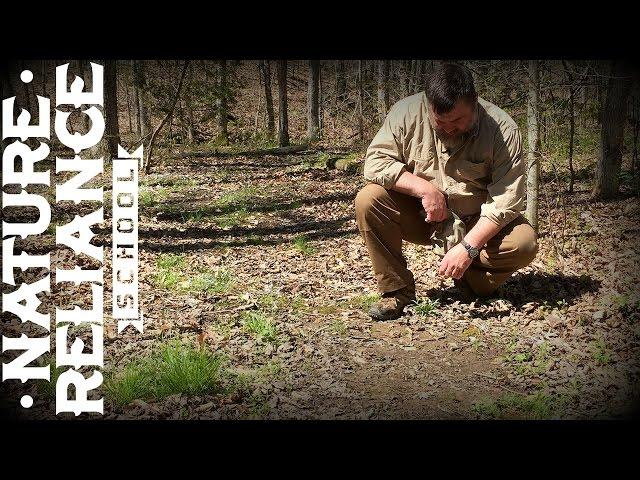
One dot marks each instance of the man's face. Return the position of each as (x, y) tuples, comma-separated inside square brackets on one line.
[(455, 123)]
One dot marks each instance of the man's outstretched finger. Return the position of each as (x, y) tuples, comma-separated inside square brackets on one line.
[(442, 269)]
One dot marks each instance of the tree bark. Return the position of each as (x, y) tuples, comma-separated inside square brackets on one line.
[(360, 101), (572, 125), (283, 119), (6, 91), (222, 104), (405, 82), (144, 117), (341, 80), (533, 147), (414, 76), (44, 78), (635, 125), (422, 78), (136, 107), (84, 66), (25, 87), (189, 109), (313, 101), (112, 129), (607, 181), (383, 89), (268, 96), (129, 108)]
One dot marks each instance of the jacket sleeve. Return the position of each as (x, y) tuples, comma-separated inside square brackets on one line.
[(384, 161), (506, 192)]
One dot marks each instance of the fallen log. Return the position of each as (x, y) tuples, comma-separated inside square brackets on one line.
[(250, 153), (352, 166)]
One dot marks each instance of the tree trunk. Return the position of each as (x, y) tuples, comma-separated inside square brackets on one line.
[(424, 71), (572, 129), (112, 129), (533, 150), (147, 167), (144, 118), (27, 96), (405, 82), (614, 114), (44, 78), (341, 80), (190, 127), (136, 107), (84, 66), (189, 109), (383, 89), (360, 101), (266, 75), (6, 91), (221, 102), (635, 123), (283, 119), (414, 76), (129, 108), (320, 102), (572, 124), (313, 101)]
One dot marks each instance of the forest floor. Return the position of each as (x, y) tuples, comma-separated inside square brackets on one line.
[(255, 286)]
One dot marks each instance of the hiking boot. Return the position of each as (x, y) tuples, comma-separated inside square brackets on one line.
[(392, 304)]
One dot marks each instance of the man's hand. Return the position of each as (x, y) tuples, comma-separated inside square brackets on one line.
[(455, 262), (434, 204), (433, 201)]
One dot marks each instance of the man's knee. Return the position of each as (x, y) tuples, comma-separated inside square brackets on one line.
[(367, 198), (526, 245)]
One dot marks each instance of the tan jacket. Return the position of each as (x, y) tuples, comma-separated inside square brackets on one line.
[(485, 174)]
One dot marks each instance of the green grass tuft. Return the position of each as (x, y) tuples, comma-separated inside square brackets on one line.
[(212, 282), (427, 307), (176, 368), (173, 274), (538, 406), (258, 324), (301, 243), (600, 352)]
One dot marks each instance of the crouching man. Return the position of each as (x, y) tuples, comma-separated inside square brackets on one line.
[(447, 161)]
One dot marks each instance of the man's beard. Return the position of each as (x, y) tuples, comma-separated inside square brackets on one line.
[(446, 137)]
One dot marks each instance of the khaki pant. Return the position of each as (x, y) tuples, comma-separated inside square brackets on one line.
[(386, 217)]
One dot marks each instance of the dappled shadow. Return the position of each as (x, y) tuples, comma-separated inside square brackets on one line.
[(266, 205), (538, 287), (553, 288), (165, 239), (312, 173)]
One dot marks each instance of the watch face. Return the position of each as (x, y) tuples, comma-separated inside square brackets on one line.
[(472, 251)]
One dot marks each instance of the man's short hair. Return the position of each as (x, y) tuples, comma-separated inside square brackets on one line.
[(448, 83)]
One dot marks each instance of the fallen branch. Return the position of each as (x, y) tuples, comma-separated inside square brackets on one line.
[(147, 167), (250, 153)]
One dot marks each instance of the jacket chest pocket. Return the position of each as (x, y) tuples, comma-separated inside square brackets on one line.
[(471, 170)]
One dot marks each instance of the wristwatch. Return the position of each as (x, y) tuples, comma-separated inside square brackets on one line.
[(472, 251)]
